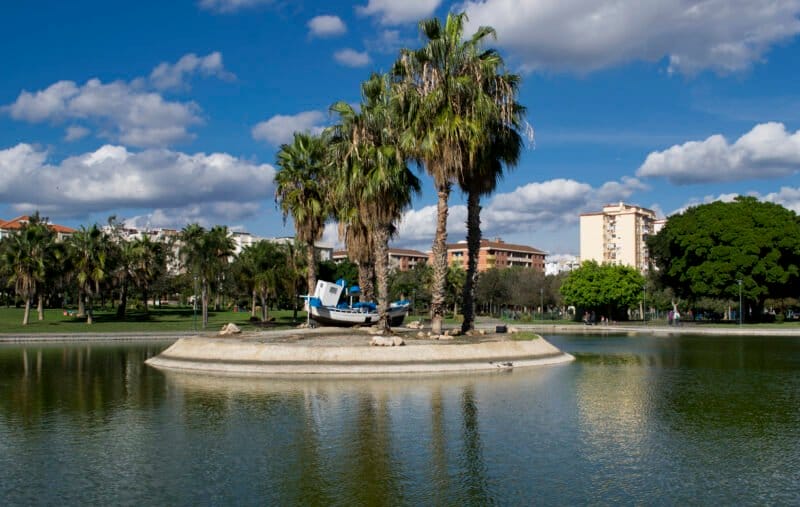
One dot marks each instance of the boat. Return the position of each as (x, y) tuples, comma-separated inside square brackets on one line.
[(325, 307)]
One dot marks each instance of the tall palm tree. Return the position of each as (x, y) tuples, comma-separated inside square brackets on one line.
[(204, 254), (148, 262), (444, 106), (501, 147), (27, 254), (301, 191), (88, 249), (373, 173)]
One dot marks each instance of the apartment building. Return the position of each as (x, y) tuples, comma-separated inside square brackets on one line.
[(497, 254), (401, 259), (15, 224), (617, 235)]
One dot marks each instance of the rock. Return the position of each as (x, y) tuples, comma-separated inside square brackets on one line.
[(375, 331), (417, 324), (513, 330), (387, 341), (229, 329), (421, 334), (455, 332), (444, 337), (482, 332)]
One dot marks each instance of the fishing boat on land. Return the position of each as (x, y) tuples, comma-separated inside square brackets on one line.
[(325, 307)]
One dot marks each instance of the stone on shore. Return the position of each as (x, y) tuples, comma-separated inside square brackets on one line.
[(387, 341), (229, 329)]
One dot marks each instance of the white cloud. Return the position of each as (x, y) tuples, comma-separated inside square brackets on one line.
[(787, 197), (326, 26), (767, 151), (394, 12), (585, 35), (523, 214), (351, 57), (75, 132), (120, 110), (113, 178), (228, 6), (173, 75), (280, 129)]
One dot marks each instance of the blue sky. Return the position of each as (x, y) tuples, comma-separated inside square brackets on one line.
[(166, 113)]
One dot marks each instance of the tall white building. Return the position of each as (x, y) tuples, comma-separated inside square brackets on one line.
[(617, 235)]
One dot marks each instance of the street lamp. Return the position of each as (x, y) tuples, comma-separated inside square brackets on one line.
[(739, 281)]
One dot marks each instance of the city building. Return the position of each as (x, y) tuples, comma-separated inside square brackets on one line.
[(399, 258), (617, 235), (15, 224), (563, 263), (497, 254)]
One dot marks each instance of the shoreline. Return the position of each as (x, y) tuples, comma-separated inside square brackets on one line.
[(330, 352)]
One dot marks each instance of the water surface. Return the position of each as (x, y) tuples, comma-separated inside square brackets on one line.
[(653, 420)]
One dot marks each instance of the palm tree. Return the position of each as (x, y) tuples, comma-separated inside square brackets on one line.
[(373, 173), (265, 264), (301, 191), (204, 254), (27, 254), (148, 261), (444, 107), (501, 147), (88, 249)]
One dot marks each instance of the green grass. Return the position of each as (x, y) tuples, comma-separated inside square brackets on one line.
[(524, 336), (165, 319)]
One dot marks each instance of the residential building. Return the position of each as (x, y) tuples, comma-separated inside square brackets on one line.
[(497, 254), (15, 224), (562, 263), (617, 235), (399, 258)]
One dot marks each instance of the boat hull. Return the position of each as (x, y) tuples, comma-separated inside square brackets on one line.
[(351, 317)]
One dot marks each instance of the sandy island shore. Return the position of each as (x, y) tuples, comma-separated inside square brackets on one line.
[(336, 351)]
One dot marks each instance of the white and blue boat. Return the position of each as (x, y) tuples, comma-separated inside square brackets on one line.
[(325, 306)]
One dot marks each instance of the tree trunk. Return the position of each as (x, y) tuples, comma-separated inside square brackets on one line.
[(264, 311), (366, 275), (439, 260), (27, 314), (473, 248), (382, 275), (311, 272), (81, 302), (253, 304), (123, 300), (89, 309), (145, 297), (40, 307)]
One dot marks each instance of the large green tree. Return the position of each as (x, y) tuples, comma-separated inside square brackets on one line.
[(372, 173), (608, 289), (444, 108), (205, 253), (707, 249), (88, 249), (302, 191)]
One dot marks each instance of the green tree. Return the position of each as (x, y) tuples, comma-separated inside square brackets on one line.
[(27, 255), (703, 251), (373, 173), (88, 249), (444, 107), (606, 288), (302, 191), (205, 253), (264, 266)]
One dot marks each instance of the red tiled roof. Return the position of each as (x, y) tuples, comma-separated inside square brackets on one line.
[(407, 252), (497, 245), (16, 224)]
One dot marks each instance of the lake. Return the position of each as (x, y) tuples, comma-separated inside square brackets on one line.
[(634, 420)]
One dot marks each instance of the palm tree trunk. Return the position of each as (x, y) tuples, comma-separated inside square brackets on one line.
[(89, 309), (40, 307), (264, 311), (311, 273), (81, 302), (145, 297), (473, 247), (123, 300), (382, 275), (253, 304), (439, 260), (27, 314), (366, 273)]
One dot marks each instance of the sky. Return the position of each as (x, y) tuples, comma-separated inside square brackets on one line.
[(168, 113)]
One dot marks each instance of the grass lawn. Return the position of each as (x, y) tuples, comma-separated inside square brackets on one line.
[(165, 319)]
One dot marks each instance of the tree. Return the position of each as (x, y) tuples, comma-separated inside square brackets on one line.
[(302, 192), (204, 255), (443, 106), (88, 249), (606, 288), (27, 255), (264, 265), (705, 250), (373, 174), (148, 262)]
